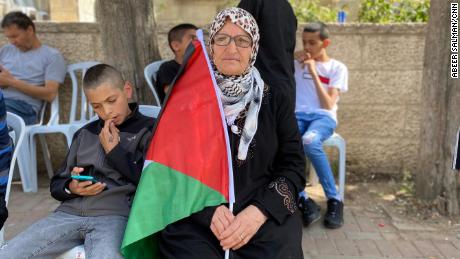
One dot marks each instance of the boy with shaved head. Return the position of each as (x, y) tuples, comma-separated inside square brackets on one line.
[(111, 150)]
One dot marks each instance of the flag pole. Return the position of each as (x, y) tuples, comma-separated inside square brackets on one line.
[(231, 190), (227, 252)]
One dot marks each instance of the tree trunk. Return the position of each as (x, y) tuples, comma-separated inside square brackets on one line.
[(128, 33), (435, 179)]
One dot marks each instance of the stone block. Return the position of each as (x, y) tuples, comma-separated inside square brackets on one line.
[(410, 154), (382, 87), (365, 121), (393, 52), (374, 155), (347, 49), (74, 47)]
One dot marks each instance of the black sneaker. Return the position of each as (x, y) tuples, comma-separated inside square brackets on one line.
[(334, 215), (310, 211)]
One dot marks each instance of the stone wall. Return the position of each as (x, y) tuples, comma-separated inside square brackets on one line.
[(379, 116)]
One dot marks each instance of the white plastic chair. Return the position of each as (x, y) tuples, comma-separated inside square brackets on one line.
[(78, 252), (334, 141), (25, 152), (150, 71), (150, 110), (54, 126), (18, 134)]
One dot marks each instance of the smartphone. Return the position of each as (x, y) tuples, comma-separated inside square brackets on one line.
[(82, 178)]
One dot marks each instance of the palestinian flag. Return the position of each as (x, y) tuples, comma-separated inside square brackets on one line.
[(188, 164)]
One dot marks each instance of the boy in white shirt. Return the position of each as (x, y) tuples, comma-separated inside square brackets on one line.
[(319, 80)]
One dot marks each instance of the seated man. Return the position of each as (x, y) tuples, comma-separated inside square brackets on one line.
[(30, 72), (6, 150), (178, 38), (111, 150)]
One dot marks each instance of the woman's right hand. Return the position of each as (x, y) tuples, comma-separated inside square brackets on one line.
[(221, 219)]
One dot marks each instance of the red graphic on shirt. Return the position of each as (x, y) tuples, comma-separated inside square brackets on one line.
[(324, 80)]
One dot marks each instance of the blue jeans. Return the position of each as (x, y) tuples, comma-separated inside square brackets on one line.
[(22, 109), (315, 129), (59, 232)]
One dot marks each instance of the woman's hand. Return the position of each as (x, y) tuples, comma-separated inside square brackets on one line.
[(221, 219), (242, 229)]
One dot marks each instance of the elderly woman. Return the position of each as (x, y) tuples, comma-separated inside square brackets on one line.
[(268, 160)]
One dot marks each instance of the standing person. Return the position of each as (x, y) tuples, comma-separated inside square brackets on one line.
[(319, 81), (6, 152), (278, 26), (265, 222), (456, 157), (112, 150), (179, 37), (30, 72)]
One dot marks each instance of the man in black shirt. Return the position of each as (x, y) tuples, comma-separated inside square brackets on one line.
[(179, 38), (278, 26)]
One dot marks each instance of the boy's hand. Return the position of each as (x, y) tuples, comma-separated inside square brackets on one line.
[(310, 63), (86, 188), (109, 136)]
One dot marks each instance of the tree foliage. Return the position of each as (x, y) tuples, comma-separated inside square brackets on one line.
[(394, 11), (312, 10)]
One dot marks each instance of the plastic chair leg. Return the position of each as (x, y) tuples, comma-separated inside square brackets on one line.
[(342, 172), (46, 155), (24, 162)]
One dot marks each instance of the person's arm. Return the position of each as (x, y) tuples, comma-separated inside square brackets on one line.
[(47, 92), (127, 163), (54, 75), (327, 98), (277, 200)]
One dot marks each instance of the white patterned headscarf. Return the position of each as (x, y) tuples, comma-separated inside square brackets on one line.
[(239, 91)]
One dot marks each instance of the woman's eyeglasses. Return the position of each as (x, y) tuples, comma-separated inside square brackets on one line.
[(241, 41)]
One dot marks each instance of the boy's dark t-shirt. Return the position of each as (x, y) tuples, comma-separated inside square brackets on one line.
[(165, 76)]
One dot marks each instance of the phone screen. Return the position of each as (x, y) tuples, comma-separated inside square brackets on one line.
[(83, 178)]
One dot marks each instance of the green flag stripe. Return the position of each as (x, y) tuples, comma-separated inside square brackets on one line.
[(164, 196)]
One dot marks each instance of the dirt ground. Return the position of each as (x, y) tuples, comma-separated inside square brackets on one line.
[(395, 196)]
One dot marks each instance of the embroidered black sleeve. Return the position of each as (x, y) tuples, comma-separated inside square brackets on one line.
[(281, 187)]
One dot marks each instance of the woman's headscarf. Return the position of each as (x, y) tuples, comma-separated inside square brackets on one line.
[(239, 91)]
